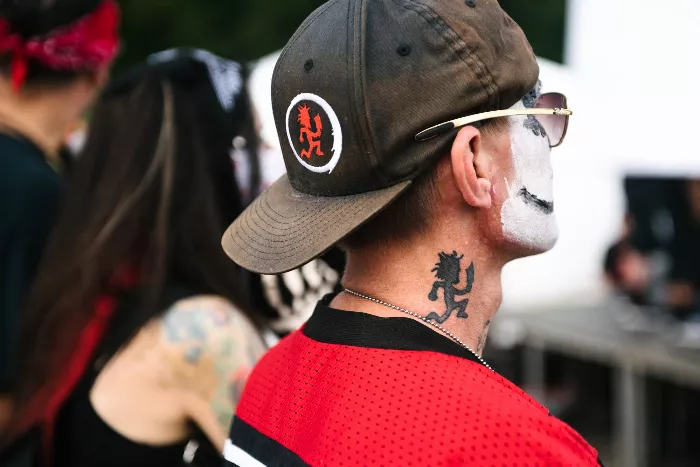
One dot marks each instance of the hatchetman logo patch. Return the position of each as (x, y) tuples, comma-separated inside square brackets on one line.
[(314, 133)]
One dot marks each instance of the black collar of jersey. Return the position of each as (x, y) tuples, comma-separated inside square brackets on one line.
[(333, 326)]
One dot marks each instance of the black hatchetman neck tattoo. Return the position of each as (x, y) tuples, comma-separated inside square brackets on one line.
[(447, 270)]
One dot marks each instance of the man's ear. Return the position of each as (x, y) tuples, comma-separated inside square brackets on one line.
[(471, 168)]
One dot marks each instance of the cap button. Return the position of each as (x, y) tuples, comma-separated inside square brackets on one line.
[(308, 65)]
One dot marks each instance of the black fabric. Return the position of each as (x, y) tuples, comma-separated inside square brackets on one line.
[(24, 452), (83, 439), (685, 245), (264, 449), (647, 199), (206, 455), (333, 326), (29, 194)]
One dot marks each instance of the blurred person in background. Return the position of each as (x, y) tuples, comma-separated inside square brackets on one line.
[(139, 334), (655, 264), (54, 57), (655, 261), (644, 279), (632, 274)]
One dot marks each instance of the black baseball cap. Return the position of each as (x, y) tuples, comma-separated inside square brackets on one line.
[(353, 86)]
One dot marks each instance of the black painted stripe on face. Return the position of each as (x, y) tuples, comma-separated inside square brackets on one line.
[(546, 207), (531, 123)]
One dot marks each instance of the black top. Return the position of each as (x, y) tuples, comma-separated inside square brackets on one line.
[(83, 439), (29, 192)]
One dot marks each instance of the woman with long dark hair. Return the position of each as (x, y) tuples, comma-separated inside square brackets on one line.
[(54, 58), (138, 335)]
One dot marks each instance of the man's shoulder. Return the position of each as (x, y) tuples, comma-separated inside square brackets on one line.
[(438, 377), (464, 411)]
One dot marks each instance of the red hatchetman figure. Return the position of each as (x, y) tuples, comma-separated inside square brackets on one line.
[(312, 137)]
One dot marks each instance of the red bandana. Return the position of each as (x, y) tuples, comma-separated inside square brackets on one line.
[(88, 44)]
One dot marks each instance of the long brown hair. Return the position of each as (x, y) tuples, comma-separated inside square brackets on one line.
[(152, 191)]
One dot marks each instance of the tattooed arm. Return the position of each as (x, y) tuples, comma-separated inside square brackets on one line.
[(213, 348)]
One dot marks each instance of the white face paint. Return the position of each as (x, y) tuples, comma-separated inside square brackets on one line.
[(527, 214)]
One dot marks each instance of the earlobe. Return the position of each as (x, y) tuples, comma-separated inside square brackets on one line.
[(470, 168)]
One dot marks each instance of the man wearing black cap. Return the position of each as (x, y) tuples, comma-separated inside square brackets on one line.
[(415, 137)]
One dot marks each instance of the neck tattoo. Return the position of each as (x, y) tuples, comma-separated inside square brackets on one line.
[(425, 320), (447, 271)]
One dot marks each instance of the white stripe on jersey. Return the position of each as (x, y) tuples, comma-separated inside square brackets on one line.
[(239, 457)]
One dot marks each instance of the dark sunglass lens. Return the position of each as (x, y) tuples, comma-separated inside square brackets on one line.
[(554, 125)]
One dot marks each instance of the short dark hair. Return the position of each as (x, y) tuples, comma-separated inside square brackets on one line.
[(408, 215), (411, 212), (31, 18)]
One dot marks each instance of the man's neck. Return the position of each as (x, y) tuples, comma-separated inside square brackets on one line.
[(421, 279), (43, 119)]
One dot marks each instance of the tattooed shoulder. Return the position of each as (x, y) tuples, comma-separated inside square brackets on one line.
[(214, 348)]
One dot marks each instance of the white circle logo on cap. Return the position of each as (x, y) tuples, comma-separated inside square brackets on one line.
[(311, 131)]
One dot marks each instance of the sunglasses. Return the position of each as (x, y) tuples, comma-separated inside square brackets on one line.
[(551, 110)]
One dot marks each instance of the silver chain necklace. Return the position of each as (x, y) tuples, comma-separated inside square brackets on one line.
[(425, 320)]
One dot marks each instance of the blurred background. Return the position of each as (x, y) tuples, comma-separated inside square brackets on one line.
[(604, 328)]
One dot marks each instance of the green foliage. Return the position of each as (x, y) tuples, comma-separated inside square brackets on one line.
[(544, 23), (239, 29), (248, 29)]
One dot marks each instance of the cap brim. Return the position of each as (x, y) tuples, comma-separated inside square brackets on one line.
[(285, 228)]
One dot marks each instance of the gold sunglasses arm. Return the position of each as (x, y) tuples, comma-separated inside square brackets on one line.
[(464, 121)]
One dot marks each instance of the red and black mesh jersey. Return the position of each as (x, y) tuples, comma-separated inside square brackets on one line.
[(353, 389)]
